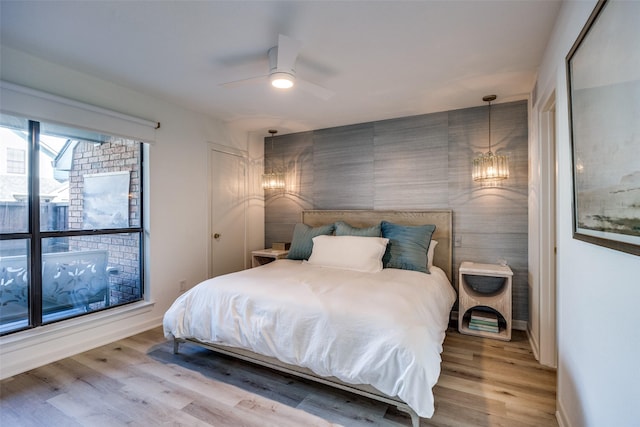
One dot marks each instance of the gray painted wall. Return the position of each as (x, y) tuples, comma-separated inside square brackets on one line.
[(419, 162)]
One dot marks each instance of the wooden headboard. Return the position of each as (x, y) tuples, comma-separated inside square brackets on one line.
[(366, 218)]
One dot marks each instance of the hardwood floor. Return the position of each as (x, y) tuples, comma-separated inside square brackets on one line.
[(138, 381)]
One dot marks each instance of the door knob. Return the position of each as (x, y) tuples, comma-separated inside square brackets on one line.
[(216, 236)]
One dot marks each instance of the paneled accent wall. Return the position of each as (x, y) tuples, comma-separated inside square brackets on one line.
[(418, 162)]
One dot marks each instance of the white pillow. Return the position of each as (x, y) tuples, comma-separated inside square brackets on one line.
[(430, 251), (349, 252)]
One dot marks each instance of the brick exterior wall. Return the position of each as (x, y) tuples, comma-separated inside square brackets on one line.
[(124, 249)]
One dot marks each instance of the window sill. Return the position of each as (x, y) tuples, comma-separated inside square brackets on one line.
[(73, 326)]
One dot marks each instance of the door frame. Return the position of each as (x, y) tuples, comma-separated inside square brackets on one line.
[(244, 155), (548, 351)]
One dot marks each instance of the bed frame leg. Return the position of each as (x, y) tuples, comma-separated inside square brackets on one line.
[(415, 419), (176, 344)]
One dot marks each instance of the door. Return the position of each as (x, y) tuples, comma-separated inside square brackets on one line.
[(228, 201)]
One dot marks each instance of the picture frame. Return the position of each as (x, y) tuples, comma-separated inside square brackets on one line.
[(603, 81)]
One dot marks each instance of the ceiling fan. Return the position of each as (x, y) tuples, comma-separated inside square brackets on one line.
[(282, 70)]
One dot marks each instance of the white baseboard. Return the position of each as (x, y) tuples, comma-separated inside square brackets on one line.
[(534, 345), (33, 348), (520, 325), (561, 416)]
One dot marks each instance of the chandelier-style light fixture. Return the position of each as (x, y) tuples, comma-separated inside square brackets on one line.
[(272, 180), (490, 167)]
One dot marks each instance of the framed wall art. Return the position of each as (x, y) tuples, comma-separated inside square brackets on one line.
[(106, 200), (603, 72)]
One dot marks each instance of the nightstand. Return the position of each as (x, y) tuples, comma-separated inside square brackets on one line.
[(265, 256), (485, 286)]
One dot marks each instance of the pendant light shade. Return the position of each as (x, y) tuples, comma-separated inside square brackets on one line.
[(489, 167), (272, 180)]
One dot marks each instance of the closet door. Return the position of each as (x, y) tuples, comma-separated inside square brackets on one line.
[(228, 212)]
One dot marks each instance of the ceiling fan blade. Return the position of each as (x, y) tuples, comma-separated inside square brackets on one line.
[(288, 49), (314, 89), (245, 82)]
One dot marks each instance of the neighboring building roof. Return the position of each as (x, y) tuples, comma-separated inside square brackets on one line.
[(53, 187), (63, 162)]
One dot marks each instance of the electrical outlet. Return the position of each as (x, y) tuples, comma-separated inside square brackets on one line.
[(183, 285), (457, 242)]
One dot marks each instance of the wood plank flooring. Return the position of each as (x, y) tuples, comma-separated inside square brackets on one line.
[(138, 381)]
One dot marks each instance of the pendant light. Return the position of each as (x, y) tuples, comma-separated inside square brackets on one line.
[(272, 180), (489, 167)]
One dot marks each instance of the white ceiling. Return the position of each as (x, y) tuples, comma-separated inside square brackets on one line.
[(383, 59)]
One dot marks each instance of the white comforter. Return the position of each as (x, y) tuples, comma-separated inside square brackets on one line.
[(384, 329)]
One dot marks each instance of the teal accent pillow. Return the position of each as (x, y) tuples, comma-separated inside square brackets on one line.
[(344, 229), (408, 246), (302, 243)]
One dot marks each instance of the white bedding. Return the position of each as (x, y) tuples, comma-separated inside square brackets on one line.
[(384, 329)]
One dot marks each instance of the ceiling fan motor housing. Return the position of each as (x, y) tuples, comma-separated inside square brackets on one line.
[(273, 64), (281, 77)]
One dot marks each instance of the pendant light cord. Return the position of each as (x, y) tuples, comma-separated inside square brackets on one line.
[(272, 132), (489, 127), (488, 99)]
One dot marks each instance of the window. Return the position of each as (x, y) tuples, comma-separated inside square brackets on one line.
[(16, 161), (71, 239)]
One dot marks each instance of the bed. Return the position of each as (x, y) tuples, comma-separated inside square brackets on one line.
[(374, 331)]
